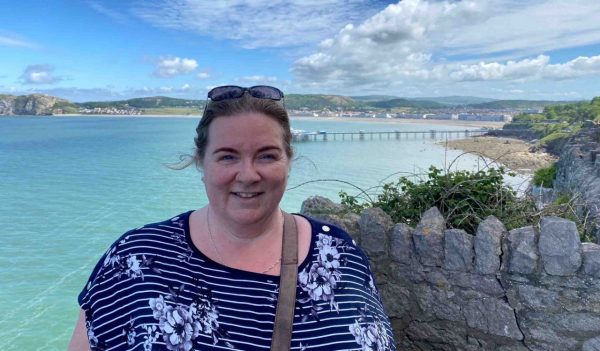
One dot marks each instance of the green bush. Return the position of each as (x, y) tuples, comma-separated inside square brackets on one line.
[(545, 176), (465, 198)]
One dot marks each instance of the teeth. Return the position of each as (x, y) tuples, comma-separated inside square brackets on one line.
[(246, 195)]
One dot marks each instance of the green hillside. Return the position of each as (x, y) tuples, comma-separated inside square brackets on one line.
[(521, 104), (456, 100), (145, 102), (367, 98), (405, 103), (318, 102), (558, 122)]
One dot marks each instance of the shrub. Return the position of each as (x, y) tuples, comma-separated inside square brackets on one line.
[(465, 198), (545, 176)]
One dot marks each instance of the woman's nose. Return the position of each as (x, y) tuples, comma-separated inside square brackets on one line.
[(247, 172)]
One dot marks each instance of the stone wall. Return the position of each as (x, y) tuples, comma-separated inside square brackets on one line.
[(445, 289)]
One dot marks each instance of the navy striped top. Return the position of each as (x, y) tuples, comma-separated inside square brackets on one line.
[(154, 290)]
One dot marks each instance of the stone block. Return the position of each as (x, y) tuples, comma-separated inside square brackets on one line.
[(318, 205), (544, 339), (492, 316), (576, 322), (591, 259), (474, 282), (560, 246), (458, 250), (401, 244), (488, 241), (428, 238), (520, 251), (592, 344), (437, 303), (374, 226), (536, 298), (322, 208), (438, 332)]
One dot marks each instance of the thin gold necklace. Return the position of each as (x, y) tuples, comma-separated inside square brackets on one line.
[(222, 261)]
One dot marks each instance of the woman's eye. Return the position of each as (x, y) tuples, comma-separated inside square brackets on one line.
[(268, 157), (226, 158)]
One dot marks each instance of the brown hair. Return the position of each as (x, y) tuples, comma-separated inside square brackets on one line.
[(230, 107)]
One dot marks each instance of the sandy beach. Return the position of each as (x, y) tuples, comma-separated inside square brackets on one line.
[(512, 153)]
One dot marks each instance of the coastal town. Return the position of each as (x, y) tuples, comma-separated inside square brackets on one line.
[(453, 113), (449, 114)]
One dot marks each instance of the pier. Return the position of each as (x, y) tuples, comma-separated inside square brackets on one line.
[(300, 136)]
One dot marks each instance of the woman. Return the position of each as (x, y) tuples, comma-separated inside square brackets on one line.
[(208, 279)]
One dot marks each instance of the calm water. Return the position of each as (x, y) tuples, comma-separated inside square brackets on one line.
[(70, 186)]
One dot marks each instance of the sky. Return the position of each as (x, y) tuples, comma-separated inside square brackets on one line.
[(110, 50)]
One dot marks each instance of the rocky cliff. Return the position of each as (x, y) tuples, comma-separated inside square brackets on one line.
[(578, 173), (34, 104)]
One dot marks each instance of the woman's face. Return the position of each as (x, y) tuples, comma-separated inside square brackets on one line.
[(245, 167)]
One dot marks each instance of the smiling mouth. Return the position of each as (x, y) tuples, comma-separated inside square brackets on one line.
[(246, 195)]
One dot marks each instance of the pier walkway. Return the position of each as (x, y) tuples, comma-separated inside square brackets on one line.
[(299, 135)]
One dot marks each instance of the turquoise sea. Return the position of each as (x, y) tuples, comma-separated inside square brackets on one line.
[(69, 186)]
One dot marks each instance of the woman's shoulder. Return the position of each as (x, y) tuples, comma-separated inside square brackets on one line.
[(320, 226), (135, 250)]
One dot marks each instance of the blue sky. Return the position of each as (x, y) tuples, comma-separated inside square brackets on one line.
[(108, 50)]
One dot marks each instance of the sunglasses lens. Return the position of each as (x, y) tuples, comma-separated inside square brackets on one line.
[(266, 92), (225, 92)]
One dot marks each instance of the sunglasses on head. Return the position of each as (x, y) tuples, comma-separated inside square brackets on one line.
[(226, 92)]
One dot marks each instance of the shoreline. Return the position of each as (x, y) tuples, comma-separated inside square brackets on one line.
[(514, 154), (460, 123)]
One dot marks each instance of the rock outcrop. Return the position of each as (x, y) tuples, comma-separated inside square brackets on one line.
[(578, 173), (34, 104)]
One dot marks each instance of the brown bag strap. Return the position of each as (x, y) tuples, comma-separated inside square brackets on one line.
[(284, 315)]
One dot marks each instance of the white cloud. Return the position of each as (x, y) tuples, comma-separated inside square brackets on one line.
[(528, 27), (146, 91), (530, 69), (203, 75), (39, 74), (579, 67), (100, 8), (257, 79), (423, 43), (256, 23), (527, 68), (14, 42), (173, 66)]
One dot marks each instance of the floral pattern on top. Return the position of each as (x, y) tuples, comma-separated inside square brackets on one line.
[(371, 336), (179, 238), (181, 324), (127, 265), (322, 277)]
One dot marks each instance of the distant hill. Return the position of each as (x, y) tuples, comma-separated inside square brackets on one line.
[(399, 103), (33, 104), (456, 100), (317, 102), (522, 104), (39, 104), (368, 98), (145, 102)]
